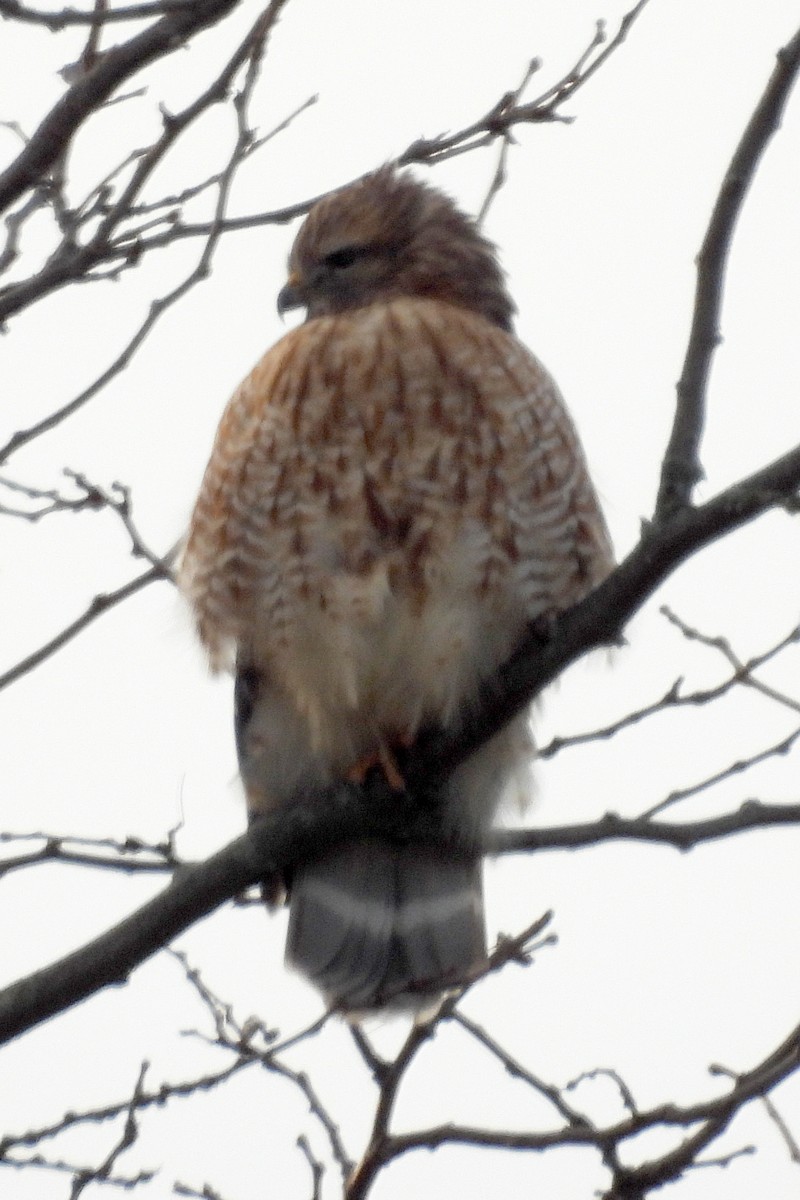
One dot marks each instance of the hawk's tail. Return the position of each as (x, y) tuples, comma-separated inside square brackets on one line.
[(374, 924)]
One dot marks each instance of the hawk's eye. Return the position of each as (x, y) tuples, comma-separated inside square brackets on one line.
[(345, 257)]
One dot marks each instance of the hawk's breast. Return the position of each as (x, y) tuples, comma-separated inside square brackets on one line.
[(393, 493)]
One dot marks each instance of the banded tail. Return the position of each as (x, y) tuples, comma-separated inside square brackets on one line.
[(375, 924)]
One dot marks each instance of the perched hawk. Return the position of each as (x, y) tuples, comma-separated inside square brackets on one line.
[(395, 492)]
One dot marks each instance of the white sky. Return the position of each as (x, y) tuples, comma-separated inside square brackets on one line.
[(666, 963)]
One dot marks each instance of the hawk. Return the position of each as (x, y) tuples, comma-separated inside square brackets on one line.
[(395, 492)]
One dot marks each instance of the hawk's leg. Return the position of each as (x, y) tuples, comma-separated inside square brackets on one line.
[(384, 758)]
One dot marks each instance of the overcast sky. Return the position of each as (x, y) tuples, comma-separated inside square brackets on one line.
[(665, 963)]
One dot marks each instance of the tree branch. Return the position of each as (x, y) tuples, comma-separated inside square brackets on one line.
[(128, 246), (85, 95), (683, 835), (599, 619), (195, 891), (681, 468), (346, 811), (99, 605), (59, 19)]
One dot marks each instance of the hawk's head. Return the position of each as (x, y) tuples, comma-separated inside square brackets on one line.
[(387, 236)]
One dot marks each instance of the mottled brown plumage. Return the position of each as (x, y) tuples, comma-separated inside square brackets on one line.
[(392, 237), (395, 492)]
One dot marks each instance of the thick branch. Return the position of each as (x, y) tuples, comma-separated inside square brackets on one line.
[(681, 469), (59, 19), (194, 893), (346, 811)]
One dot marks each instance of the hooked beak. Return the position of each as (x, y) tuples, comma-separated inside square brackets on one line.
[(290, 296)]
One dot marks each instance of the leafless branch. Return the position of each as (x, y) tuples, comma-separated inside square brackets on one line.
[(744, 671), (391, 1074), (101, 604), (90, 496), (238, 1038), (500, 172), (157, 309), (59, 19), (15, 223), (698, 1125), (94, 497), (507, 113), (132, 856), (156, 1098), (266, 850), (71, 262), (317, 1168), (681, 468), (50, 500), (783, 1129), (779, 749), (743, 675), (208, 1192), (712, 1116), (683, 835), (625, 1093), (772, 1112), (128, 248), (517, 1071), (128, 1137), (60, 1166), (90, 91)]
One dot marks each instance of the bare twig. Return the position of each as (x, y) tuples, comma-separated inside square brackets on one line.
[(783, 1129), (207, 1193), (317, 1168), (772, 1112), (683, 835), (743, 670), (237, 1037), (500, 173), (128, 1137), (699, 1123), (70, 262), (90, 496), (391, 1074), (131, 856), (517, 1071), (89, 91), (778, 750), (625, 1093), (743, 674), (15, 223), (505, 114), (102, 603)]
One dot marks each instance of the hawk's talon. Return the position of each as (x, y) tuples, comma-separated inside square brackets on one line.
[(381, 757)]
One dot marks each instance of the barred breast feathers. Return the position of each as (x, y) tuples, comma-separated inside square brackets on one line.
[(360, 442)]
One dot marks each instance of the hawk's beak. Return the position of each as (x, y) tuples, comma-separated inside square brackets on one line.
[(290, 296)]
